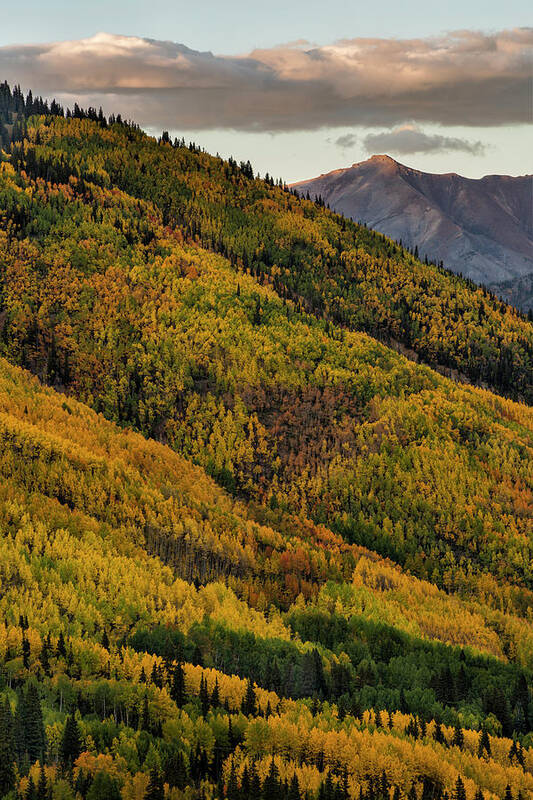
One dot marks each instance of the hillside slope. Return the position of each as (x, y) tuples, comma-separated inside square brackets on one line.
[(105, 301), (480, 228), (327, 265), (246, 549), (114, 636)]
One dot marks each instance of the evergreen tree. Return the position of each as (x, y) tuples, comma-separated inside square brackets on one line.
[(7, 750), (145, 722), (103, 787), (484, 744), (294, 789), (71, 742), (26, 651), (31, 790), (61, 648), (249, 703), (204, 696), (176, 770), (177, 686), (232, 791), (29, 727), (271, 785), (42, 784), (460, 793), (215, 696), (458, 736), (154, 790)]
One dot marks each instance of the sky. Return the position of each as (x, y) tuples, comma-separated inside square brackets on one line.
[(299, 87)]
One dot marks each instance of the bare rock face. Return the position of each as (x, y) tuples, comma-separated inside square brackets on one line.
[(480, 228)]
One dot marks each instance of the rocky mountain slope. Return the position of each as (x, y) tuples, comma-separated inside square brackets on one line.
[(479, 228)]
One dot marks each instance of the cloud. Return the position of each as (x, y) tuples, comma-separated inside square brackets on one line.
[(410, 139), (348, 140), (465, 78)]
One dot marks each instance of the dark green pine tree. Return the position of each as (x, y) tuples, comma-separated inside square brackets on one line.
[(155, 677), (508, 793), (522, 698), (42, 785), (177, 686), (204, 696), (154, 790), (460, 793), (271, 786), (384, 784), (7, 750), (103, 787), (232, 789), (45, 656), (479, 795), (144, 721), (176, 770), (294, 789), (249, 703), (31, 790), (29, 727), (26, 651), (215, 695), (439, 736), (61, 649), (70, 743), (328, 791), (344, 786), (245, 782), (255, 782), (458, 736), (484, 744)]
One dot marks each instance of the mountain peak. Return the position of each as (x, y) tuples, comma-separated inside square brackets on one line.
[(480, 228), (382, 160)]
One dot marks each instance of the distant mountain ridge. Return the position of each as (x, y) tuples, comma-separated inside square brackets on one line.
[(481, 228)]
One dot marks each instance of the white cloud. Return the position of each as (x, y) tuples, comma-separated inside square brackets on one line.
[(463, 78)]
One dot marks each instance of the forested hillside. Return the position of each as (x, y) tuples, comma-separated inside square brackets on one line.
[(326, 264), (314, 577)]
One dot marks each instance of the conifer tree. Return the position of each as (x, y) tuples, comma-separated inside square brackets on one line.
[(175, 771), (249, 703), (458, 736), (460, 793), (177, 686), (42, 784), (29, 727), (294, 789), (271, 785), (484, 743), (7, 750), (232, 791), (204, 696), (145, 722), (71, 742), (31, 790), (154, 790), (215, 695)]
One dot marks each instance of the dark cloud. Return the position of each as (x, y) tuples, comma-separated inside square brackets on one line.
[(410, 139), (465, 78), (348, 140)]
